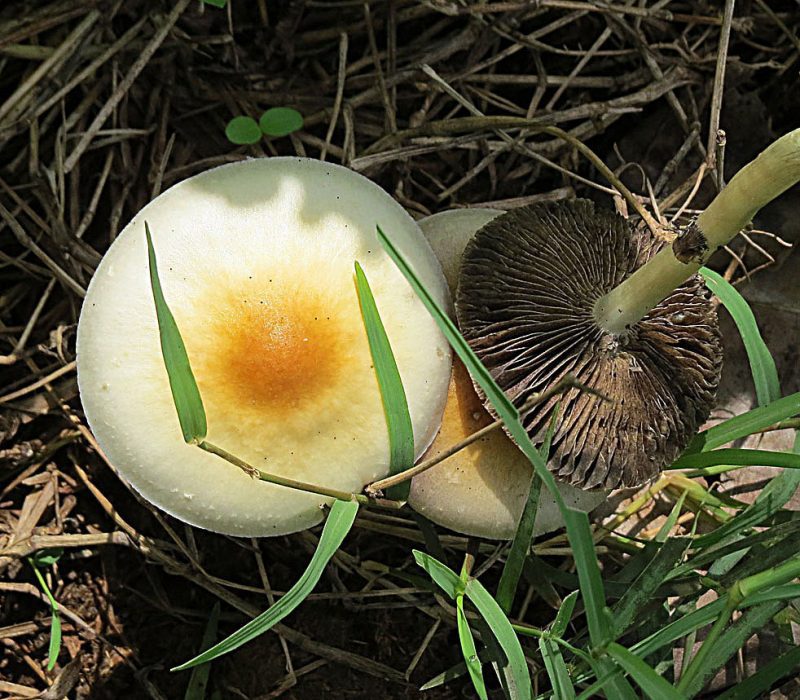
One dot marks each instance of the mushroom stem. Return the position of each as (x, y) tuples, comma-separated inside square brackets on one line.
[(774, 171)]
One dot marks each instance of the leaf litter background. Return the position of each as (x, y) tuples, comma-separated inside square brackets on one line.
[(105, 104)]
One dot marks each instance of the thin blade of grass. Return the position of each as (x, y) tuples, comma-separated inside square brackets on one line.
[(339, 522), (506, 637), (556, 669), (198, 681), (185, 394), (679, 628), (578, 529), (737, 457), (442, 575), (685, 625), (642, 589), (761, 559), (393, 394), (521, 544), (494, 655), (771, 499), (760, 682), (704, 556), (495, 618), (606, 678), (591, 583), (54, 647), (449, 329), (564, 614), (672, 519), (551, 651), (733, 639), (789, 591), (653, 685), (762, 365), (432, 542), (745, 424), (468, 649), (440, 679)]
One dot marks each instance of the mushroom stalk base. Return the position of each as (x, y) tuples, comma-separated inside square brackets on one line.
[(774, 171)]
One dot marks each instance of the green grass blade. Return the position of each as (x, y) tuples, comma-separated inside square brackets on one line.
[(556, 669), (431, 538), (679, 628), (54, 647), (653, 685), (762, 366), (185, 394), (450, 674), (521, 544), (337, 525), (564, 614), (771, 499), (789, 591), (760, 682), (772, 557), (501, 628), (466, 640), (642, 589), (591, 583), (604, 678), (578, 529), (733, 639), (393, 395), (475, 366), (468, 649), (198, 681), (442, 575), (745, 424), (685, 625), (551, 651), (736, 457), (672, 519), (506, 637)]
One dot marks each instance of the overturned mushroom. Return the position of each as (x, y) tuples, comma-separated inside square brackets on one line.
[(256, 261), (480, 490), (568, 288)]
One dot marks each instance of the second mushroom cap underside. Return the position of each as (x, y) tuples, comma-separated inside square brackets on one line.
[(528, 286)]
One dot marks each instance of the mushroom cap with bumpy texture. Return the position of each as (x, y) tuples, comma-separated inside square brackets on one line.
[(529, 282), (256, 261), (482, 489)]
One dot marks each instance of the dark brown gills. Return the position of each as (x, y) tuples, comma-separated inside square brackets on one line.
[(529, 281)]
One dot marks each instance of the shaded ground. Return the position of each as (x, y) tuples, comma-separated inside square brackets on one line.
[(105, 104)]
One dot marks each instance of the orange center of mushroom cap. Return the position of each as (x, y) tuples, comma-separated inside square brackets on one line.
[(271, 347)]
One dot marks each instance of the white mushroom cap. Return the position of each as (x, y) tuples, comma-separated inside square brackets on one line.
[(482, 489), (256, 261)]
